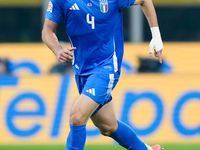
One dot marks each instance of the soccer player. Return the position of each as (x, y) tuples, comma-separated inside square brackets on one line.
[(93, 28)]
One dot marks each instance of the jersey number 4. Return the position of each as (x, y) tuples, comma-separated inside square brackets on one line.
[(90, 21)]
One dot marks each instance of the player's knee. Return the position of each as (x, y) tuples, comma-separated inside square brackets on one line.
[(76, 119), (107, 130)]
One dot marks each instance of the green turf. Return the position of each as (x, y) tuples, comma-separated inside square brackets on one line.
[(96, 147)]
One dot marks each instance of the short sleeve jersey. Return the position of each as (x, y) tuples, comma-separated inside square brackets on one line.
[(90, 25)]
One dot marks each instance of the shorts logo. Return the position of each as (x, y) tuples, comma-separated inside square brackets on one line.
[(91, 91), (50, 7), (76, 66), (103, 6)]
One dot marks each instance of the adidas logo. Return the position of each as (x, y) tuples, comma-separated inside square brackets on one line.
[(74, 7), (91, 91)]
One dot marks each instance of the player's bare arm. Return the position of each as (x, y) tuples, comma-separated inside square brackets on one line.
[(156, 43), (49, 37)]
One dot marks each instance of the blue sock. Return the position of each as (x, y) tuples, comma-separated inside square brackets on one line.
[(127, 138), (76, 138)]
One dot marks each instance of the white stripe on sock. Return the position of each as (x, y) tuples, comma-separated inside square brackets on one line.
[(148, 147)]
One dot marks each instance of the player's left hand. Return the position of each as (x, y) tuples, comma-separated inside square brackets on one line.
[(156, 44)]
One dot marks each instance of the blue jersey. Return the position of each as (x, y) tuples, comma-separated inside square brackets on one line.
[(119, 39), (90, 25)]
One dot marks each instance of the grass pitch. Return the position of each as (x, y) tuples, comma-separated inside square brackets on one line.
[(95, 147)]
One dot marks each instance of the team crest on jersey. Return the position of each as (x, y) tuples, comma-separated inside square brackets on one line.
[(103, 6), (89, 4), (50, 7)]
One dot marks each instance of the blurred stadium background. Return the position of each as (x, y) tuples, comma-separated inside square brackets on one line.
[(160, 102)]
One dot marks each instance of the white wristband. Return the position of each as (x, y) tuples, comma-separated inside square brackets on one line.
[(156, 42), (155, 32)]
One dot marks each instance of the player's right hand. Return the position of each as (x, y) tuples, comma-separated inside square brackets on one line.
[(66, 55)]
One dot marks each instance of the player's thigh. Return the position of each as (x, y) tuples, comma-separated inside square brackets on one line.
[(82, 109), (105, 119)]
